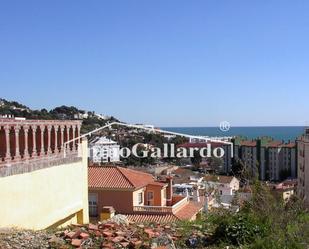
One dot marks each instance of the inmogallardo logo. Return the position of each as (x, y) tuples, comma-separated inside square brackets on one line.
[(168, 150)]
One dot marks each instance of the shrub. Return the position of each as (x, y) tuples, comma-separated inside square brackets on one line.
[(239, 229)]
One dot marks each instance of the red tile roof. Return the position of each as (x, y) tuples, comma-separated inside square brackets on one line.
[(190, 210), (187, 212), (289, 145), (200, 145), (161, 184), (160, 218), (248, 143), (278, 144), (117, 177), (274, 144)]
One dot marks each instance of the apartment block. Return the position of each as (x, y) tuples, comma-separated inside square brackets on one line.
[(303, 167), (271, 160)]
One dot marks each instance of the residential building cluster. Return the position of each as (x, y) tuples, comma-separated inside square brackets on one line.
[(217, 190), (138, 195), (34, 153), (268, 159)]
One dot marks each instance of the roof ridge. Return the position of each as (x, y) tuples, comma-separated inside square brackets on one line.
[(135, 171), (120, 170)]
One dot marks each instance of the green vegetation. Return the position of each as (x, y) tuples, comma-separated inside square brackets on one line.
[(63, 112), (196, 160), (263, 223)]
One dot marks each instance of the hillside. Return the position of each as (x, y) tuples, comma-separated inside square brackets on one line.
[(91, 120)]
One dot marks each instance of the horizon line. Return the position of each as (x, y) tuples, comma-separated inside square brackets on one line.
[(240, 126)]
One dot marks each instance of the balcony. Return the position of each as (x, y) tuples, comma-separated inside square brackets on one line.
[(178, 203), (27, 145)]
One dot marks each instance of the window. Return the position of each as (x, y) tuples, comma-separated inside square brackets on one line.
[(140, 198), (93, 205), (149, 195)]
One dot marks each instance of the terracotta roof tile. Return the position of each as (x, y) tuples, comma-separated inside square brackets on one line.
[(289, 145), (248, 143), (188, 211), (161, 184), (160, 218), (117, 177), (200, 145), (274, 144)]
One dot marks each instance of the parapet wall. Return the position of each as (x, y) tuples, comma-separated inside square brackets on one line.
[(55, 194)]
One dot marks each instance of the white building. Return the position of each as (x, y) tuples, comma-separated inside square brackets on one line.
[(226, 185), (81, 115), (104, 150), (7, 116), (101, 116), (221, 191), (282, 160)]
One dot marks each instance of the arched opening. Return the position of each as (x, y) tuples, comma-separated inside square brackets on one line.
[(2, 144), (12, 142), (30, 141), (21, 139), (45, 139), (52, 139), (76, 142), (37, 150), (65, 137), (58, 139), (71, 137), (65, 134)]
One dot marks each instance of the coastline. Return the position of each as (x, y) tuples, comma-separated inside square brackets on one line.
[(285, 133)]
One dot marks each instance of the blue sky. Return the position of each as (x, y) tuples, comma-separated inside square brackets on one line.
[(164, 62)]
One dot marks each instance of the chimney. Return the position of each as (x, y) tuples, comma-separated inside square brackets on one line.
[(169, 191), (107, 213)]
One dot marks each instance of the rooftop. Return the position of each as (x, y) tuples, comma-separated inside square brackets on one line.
[(289, 145), (159, 218), (102, 140), (248, 143), (182, 175), (191, 209), (274, 144), (112, 177), (200, 145), (217, 178)]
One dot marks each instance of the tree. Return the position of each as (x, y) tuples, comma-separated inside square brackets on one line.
[(216, 164), (196, 159), (238, 168)]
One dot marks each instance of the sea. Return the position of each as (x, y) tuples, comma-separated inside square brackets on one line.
[(286, 133)]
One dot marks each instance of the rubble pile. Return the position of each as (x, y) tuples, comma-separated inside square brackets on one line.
[(14, 238), (114, 234), (111, 235)]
